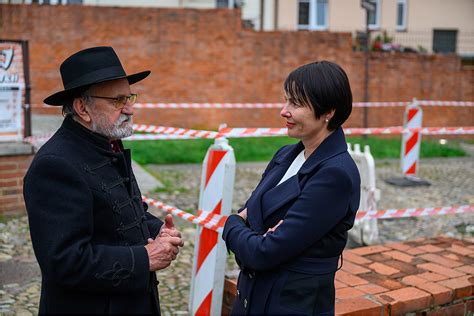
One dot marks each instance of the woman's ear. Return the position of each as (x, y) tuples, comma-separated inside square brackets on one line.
[(328, 116), (81, 110)]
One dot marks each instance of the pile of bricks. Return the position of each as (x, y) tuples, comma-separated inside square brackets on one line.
[(425, 277)]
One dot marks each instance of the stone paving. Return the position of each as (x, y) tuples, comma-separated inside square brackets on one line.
[(451, 180)]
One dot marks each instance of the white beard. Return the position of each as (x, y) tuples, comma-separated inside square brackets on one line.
[(102, 126)]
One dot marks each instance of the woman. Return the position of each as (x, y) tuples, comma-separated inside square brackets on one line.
[(289, 236)]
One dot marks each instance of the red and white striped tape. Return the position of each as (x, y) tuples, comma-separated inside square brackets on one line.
[(216, 222), (267, 132), (209, 220), (280, 105), (191, 133), (414, 212), (237, 132)]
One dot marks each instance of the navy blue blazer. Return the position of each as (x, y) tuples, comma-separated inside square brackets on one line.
[(318, 206)]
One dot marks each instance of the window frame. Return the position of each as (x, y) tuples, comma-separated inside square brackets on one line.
[(403, 26), (376, 25), (313, 13)]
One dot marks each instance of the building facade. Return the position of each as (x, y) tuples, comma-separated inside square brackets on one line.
[(432, 26)]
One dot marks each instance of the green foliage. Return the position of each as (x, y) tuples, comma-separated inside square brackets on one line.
[(263, 149)]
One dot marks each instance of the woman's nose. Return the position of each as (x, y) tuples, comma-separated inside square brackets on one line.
[(284, 111)]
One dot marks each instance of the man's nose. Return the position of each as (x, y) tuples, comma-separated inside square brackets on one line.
[(128, 108)]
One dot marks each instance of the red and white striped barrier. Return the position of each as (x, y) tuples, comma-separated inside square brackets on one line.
[(217, 182), (216, 222), (278, 105), (192, 133), (414, 212), (208, 220), (266, 132), (411, 140)]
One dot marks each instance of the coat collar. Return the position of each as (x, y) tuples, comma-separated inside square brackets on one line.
[(333, 145), (80, 131), (275, 196)]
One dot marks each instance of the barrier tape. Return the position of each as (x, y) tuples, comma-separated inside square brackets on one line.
[(216, 222), (237, 132), (181, 133), (414, 212), (206, 219), (280, 105)]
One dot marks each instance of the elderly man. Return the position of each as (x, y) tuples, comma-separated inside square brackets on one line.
[(96, 244)]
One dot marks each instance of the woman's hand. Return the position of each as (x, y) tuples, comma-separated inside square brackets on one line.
[(243, 214), (272, 229)]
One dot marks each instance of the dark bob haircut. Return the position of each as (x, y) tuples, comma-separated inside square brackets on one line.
[(324, 86)]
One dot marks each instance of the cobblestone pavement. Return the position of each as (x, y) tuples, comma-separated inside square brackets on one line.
[(451, 184)]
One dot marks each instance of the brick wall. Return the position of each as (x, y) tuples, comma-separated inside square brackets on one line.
[(432, 276), (12, 171), (206, 56)]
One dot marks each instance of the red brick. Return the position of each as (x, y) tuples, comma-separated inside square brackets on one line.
[(383, 269), (406, 300), (413, 280), (383, 281), (461, 250), (399, 256), (349, 279), (430, 248), (358, 306), (440, 270), (8, 166), (354, 268), (398, 246), (8, 183), (415, 251), (371, 288), (441, 295), (352, 257), (405, 268), (5, 200), (363, 251), (432, 277), (466, 269), (451, 310), (230, 286), (462, 286), (440, 260), (339, 285), (13, 175), (348, 292)]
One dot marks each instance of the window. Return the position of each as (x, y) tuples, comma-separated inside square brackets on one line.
[(374, 16), (444, 41), (222, 3), (401, 15), (312, 14)]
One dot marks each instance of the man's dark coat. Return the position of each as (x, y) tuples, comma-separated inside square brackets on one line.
[(89, 226), (291, 271)]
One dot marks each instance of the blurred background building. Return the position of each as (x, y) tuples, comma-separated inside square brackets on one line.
[(432, 26)]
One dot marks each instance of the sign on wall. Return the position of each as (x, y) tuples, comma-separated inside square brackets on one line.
[(12, 85)]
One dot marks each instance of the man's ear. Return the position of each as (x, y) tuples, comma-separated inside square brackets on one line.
[(81, 110)]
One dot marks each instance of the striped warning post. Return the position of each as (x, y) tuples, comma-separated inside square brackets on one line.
[(411, 140), (217, 183)]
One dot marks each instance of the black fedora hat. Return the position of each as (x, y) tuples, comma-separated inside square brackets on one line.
[(88, 67)]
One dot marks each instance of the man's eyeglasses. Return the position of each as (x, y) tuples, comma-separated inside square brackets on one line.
[(120, 102)]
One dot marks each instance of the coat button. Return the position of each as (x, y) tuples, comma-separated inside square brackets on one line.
[(245, 303), (238, 293)]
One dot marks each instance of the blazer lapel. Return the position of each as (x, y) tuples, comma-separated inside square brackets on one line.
[(278, 196), (274, 175)]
